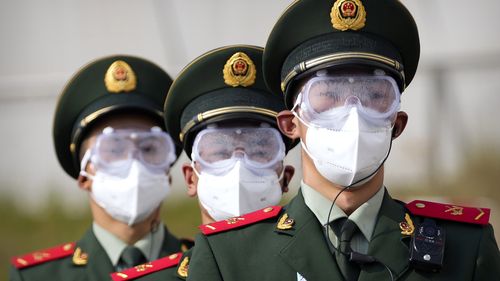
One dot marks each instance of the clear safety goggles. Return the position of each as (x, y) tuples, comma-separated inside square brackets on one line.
[(115, 149), (329, 98), (218, 149)]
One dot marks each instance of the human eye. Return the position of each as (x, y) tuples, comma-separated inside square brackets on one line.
[(376, 95), (153, 149), (214, 155)]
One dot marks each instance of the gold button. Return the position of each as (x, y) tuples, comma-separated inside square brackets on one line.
[(420, 205), (268, 209), (67, 247)]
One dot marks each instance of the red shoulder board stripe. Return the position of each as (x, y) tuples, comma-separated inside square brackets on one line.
[(42, 256), (236, 222), (449, 212), (147, 268)]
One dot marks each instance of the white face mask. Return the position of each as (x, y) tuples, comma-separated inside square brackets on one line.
[(238, 192), (351, 155), (133, 198)]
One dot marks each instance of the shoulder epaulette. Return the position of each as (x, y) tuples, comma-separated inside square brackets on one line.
[(147, 268), (236, 222), (43, 256), (449, 212)]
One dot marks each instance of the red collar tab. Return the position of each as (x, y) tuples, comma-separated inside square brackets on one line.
[(43, 256), (451, 212), (236, 222), (147, 268)]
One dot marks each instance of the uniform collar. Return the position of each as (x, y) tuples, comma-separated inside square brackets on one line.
[(365, 216), (150, 245)]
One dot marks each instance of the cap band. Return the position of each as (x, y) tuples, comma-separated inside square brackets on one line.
[(304, 66), (224, 110)]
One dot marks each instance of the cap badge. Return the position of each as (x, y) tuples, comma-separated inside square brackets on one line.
[(348, 14), (120, 77), (239, 70)]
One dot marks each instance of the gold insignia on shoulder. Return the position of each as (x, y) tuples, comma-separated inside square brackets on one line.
[(22, 261), (239, 70), (120, 77), (211, 227), (407, 226), (173, 256), (285, 222), (38, 256), (454, 210), (348, 14), (182, 270), (234, 220), (481, 213), (122, 275), (80, 257), (143, 267)]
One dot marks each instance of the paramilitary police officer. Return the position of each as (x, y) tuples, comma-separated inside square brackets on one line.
[(342, 66), (222, 114), (109, 135)]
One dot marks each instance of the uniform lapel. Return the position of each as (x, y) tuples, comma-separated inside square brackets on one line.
[(98, 266), (306, 250), (387, 244)]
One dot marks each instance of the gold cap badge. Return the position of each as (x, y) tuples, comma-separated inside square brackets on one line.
[(348, 14), (239, 70), (120, 77)]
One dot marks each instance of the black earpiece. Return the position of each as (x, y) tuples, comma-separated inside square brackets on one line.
[(361, 258)]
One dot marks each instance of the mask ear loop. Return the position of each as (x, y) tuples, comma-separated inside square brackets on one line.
[(83, 164), (194, 169), (302, 144)]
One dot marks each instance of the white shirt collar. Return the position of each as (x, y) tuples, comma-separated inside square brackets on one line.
[(365, 216), (150, 245)]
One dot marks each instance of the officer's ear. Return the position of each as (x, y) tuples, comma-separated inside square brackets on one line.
[(288, 173), (287, 123), (399, 124), (191, 179), (84, 182)]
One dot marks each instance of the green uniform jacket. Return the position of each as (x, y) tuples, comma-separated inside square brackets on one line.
[(262, 252), (98, 266)]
